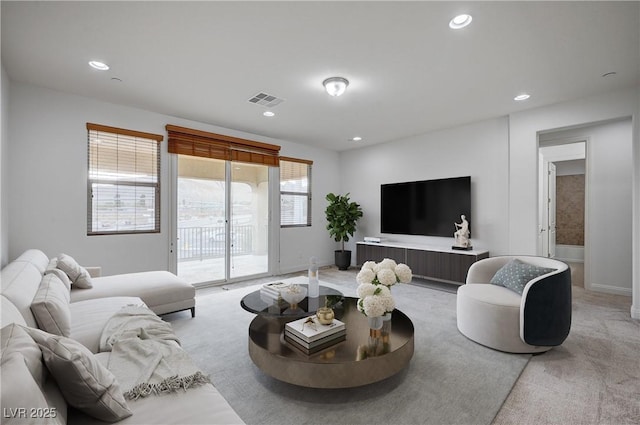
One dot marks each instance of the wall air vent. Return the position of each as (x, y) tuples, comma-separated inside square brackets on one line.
[(265, 99)]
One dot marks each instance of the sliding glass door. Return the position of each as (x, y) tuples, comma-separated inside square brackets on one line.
[(249, 220), (222, 219)]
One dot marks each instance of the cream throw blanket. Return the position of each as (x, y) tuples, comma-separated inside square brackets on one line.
[(145, 354)]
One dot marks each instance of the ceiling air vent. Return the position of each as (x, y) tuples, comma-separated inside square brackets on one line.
[(265, 99)]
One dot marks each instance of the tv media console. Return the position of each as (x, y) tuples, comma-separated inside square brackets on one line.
[(431, 262)]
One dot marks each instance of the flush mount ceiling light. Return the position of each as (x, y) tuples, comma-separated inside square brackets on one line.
[(522, 96), (100, 66), (460, 21), (268, 114), (335, 86), (356, 139)]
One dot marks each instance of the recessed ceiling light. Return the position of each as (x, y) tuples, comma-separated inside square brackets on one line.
[(356, 139), (522, 96), (460, 21), (268, 113), (100, 66)]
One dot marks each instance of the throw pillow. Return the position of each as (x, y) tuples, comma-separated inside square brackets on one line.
[(516, 274), (53, 263), (85, 383), (53, 268), (50, 306), (84, 280), (20, 394), (79, 275), (16, 341)]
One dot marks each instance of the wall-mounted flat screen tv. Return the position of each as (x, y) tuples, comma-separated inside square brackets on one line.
[(428, 207)]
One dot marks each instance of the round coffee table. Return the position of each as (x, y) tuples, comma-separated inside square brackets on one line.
[(363, 358)]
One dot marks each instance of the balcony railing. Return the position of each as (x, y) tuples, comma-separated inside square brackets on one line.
[(199, 243)]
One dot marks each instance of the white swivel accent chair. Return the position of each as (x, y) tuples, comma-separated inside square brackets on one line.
[(502, 319)]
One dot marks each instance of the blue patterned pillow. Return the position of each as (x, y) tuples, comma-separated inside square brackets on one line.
[(516, 274)]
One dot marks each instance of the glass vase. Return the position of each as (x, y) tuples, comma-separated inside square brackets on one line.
[(375, 323)]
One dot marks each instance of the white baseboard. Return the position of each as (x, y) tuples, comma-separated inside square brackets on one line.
[(616, 290), (571, 253), (301, 268), (635, 312)]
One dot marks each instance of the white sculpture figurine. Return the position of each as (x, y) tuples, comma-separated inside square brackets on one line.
[(461, 235)]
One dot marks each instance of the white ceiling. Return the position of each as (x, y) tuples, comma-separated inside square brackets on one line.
[(409, 72)]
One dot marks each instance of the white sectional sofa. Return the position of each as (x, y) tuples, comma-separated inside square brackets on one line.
[(34, 391)]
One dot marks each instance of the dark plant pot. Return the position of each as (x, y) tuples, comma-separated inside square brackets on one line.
[(343, 259)]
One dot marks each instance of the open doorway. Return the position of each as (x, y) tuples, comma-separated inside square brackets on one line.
[(570, 209), (562, 204)]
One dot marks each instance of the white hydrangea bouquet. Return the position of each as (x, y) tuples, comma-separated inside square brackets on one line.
[(374, 283)]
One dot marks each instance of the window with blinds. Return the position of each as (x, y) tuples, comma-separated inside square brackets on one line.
[(123, 181), (295, 192)]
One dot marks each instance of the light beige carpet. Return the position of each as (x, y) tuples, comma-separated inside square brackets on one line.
[(450, 379), (593, 378)]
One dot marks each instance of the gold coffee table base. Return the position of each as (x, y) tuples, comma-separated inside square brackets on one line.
[(360, 360)]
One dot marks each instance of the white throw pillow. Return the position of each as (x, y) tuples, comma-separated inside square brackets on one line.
[(50, 306), (85, 383), (84, 280), (21, 395), (16, 340), (79, 275), (23, 377), (52, 267), (53, 263)]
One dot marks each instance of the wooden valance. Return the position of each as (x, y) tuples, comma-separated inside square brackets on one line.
[(124, 131), (187, 141), (303, 161)]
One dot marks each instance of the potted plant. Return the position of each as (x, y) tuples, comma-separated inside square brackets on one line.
[(342, 215)]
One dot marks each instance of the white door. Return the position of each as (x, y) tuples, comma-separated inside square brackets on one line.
[(551, 210)]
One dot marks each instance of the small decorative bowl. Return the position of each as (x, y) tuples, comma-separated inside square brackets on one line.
[(325, 315), (293, 295)]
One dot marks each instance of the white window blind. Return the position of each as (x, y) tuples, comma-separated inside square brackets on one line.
[(295, 192), (123, 181)]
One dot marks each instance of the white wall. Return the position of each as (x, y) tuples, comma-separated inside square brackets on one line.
[(479, 150), (523, 132), (4, 169), (48, 172)]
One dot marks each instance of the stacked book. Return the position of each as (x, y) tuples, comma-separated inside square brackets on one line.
[(309, 336), (270, 292)]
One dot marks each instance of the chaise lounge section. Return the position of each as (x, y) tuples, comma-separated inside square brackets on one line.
[(162, 291)]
